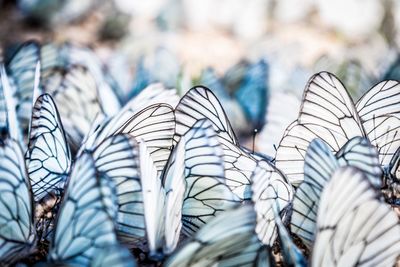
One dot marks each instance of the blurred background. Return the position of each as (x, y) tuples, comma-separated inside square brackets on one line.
[(270, 46)]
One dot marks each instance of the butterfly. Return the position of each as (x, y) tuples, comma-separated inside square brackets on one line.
[(227, 240), (276, 121), (354, 227), (85, 224), (328, 113), (48, 159), (319, 165), (241, 168), (183, 199), (243, 87), (21, 69)]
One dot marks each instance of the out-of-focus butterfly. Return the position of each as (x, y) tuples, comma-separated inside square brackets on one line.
[(227, 240), (354, 227), (276, 121), (84, 228), (319, 165), (243, 87), (159, 66), (17, 231), (55, 12), (21, 68), (328, 113)]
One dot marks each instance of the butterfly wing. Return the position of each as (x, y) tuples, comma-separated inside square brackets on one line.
[(48, 157), (8, 111), (22, 68), (86, 218), (359, 152), (75, 93), (269, 185), (153, 201), (227, 235), (207, 193), (354, 227), (16, 220), (118, 157), (328, 113), (200, 103), (174, 184)]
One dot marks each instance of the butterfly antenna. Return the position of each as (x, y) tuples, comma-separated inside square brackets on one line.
[(254, 138)]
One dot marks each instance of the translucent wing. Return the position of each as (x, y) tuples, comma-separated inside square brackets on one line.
[(153, 200), (354, 227), (48, 158), (384, 134), (85, 222), (239, 166), (75, 93), (155, 125), (207, 193), (269, 184), (227, 235), (359, 152), (292, 256), (328, 113), (252, 93), (8, 117), (153, 94), (174, 183), (277, 121), (380, 100), (21, 67), (319, 164), (16, 220), (118, 157), (200, 103), (109, 93)]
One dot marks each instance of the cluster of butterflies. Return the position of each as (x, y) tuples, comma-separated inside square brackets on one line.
[(88, 180)]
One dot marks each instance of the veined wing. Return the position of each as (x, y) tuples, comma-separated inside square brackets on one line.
[(319, 165), (155, 125), (22, 68), (269, 185), (207, 193), (380, 100), (48, 158), (358, 152), (200, 103), (227, 235), (75, 93), (354, 228), (328, 113), (85, 222), (118, 158), (153, 200), (384, 134), (8, 113), (16, 204), (174, 183)]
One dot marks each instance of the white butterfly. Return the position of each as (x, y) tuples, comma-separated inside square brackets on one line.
[(328, 113)]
